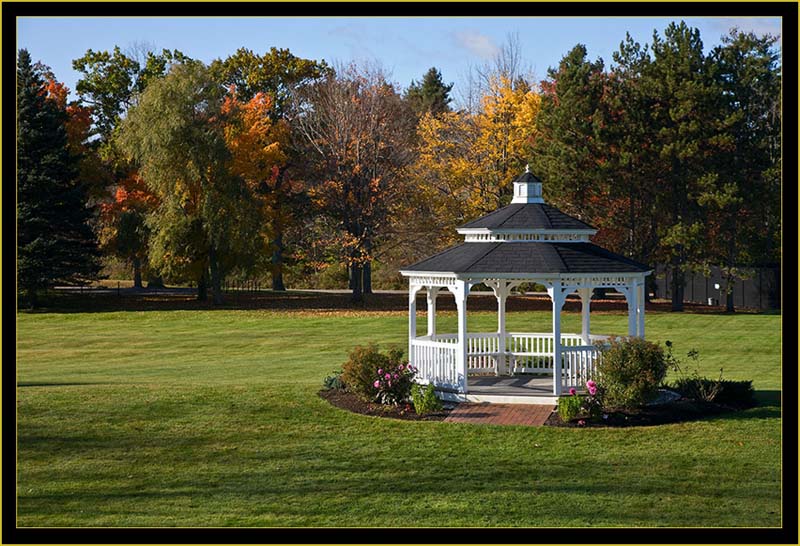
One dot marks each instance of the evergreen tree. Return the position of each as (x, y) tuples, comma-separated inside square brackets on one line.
[(55, 241), (431, 95), (566, 152)]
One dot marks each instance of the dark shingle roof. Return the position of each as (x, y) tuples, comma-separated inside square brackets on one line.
[(528, 216), (528, 258)]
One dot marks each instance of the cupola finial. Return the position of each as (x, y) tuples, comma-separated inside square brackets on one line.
[(527, 168)]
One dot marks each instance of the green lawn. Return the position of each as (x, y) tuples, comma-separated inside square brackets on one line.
[(210, 418)]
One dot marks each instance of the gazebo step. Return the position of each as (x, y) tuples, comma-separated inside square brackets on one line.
[(499, 398)]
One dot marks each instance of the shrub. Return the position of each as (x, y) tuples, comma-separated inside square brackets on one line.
[(393, 383), (334, 381), (631, 371), (366, 370), (569, 407), (721, 391), (425, 400)]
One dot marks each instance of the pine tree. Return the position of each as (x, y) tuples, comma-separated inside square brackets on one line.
[(431, 95), (55, 242)]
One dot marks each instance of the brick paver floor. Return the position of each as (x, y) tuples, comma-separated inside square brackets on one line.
[(501, 414)]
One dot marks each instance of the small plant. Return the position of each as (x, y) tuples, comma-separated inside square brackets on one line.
[(393, 383), (631, 371), (569, 407), (704, 389), (424, 398), (334, 381), (594, 402)]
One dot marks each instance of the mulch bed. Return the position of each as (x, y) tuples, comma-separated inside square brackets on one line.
[(674, 412), (351, 402)]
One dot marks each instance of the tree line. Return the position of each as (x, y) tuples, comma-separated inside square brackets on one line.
[(271, 164)]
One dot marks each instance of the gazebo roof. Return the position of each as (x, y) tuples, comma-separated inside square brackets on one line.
[(528, 257), (527, 237), (528, 216)]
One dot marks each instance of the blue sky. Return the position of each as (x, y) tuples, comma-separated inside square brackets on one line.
[(405, 46)]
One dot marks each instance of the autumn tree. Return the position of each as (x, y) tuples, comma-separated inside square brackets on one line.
[(276, 75), (206, 221), (358, 131), (55, 243), (109, 86)]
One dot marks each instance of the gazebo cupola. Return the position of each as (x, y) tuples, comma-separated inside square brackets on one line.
[(525, 241)]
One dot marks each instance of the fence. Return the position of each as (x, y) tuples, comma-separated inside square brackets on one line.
[(760, 289)]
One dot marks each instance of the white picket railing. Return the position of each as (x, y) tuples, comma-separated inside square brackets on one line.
[(435, 362), (435, 356), (578, 365)]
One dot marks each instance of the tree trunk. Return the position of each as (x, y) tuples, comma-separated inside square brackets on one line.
[(367, 277), (677, 286), (202, 287), (33, 301), (351, 276), (216, 277), (277, 263), (356, 284), (137, 272)]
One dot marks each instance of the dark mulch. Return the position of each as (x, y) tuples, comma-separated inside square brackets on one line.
[(351, 402), (674, 412)]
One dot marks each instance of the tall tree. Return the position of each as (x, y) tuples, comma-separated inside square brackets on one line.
[(175, 134), (567, 154), (110, 84), (681, 82), (431, 95), (359, 132), (278, 74), (55, 241), (743, 198)]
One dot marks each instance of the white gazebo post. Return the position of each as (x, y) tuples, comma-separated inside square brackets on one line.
[(461, 291), (640, 308), (586, 301), (412, 320), (630, 296), (433, 292), (501, 289), (557, 295)]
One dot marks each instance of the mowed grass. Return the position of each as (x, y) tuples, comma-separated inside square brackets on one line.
[(211, 418)]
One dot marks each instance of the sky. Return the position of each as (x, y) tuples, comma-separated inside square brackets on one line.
[(406, 47)]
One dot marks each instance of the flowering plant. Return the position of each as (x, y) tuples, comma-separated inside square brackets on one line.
[(393, 383), (593, 403)]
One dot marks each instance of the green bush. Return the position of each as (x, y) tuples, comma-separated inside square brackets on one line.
[(334, 381), (721, 391), (631, 371), (569, 407), (425, 400), (365, 374)]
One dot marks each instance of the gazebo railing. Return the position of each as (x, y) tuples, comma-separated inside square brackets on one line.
[(436, 356), (436, 362), (578, 365)]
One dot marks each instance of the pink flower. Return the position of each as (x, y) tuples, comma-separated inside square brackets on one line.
[(380, 371), (400, 367), (390, 383), (396, 376), (573, 392), (388, 376), (377, 384), (581, 422), (592, 386)]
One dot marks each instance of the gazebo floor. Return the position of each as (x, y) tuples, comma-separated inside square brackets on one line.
[(517, 389)]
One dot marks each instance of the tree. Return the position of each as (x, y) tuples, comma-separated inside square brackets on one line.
[(567, 154), (431, 95), (743, 198), (277, 74), (175, 134), (358, 131), (110, 84), (55, 241), (684, 113)]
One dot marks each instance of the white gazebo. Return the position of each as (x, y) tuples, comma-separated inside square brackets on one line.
[(526, 241)]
